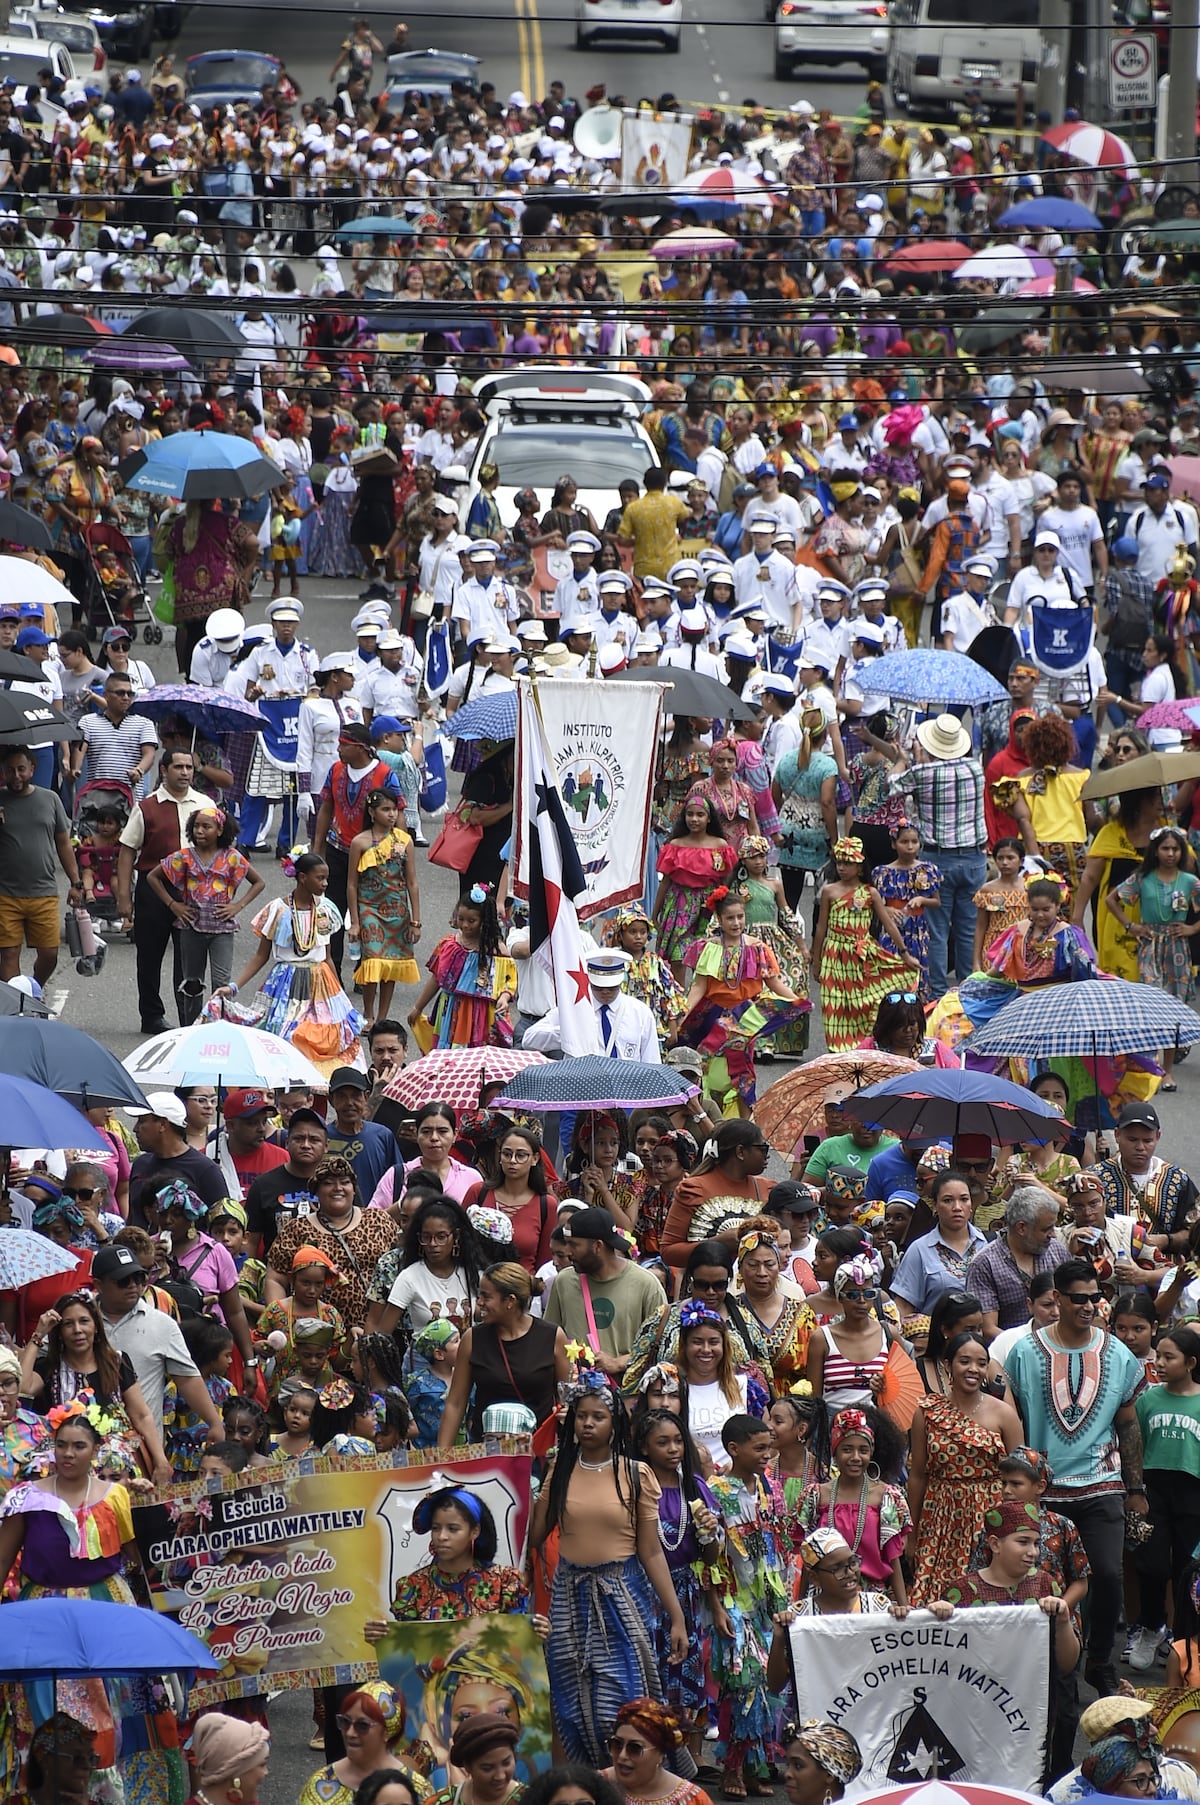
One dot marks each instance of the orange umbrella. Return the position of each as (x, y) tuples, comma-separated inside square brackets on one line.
[(790, 1108)]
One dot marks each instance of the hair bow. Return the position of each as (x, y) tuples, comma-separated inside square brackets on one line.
[(181, 1197), (694, 1313)]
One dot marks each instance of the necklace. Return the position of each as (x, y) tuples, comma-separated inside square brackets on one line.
[(304, 938), (671, 1538), (863, 1496), (82, 1505), (593, 1466)]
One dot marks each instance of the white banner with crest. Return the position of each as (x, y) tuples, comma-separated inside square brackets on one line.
[(654, 148)]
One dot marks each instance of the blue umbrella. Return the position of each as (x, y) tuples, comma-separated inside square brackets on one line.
[(68, 1062), (934, 679), (938, 1105), (201, 466), (32, 1116), (371, 225), (1053, 214), (79, 1638), (1096, 1018), (211, 712), (491, 717), (594, 1082)]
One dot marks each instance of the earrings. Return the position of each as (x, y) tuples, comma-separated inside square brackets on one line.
[(873, 1470), (234, 1789)]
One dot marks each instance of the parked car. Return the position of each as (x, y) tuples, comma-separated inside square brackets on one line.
[(22, 60), (75, 30), (428, 72), (225, 78), (831, 31)]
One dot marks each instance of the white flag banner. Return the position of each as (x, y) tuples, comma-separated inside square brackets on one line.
[(967, 1699), (602, 740), (654, 148)]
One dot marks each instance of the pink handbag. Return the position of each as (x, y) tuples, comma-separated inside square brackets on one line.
[(456, 845)]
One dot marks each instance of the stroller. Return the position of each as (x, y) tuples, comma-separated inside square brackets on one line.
[(116, 596), (102, 797)]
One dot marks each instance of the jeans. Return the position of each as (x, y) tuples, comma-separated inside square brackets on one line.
[(1122, 670), (952, 923), (141, 545), (197, 954), (1101, 1526), (339, 877)]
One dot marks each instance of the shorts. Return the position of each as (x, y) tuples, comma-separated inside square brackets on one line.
[(36, 915)]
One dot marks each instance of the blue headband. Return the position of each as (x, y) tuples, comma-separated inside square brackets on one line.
[(423, 1515)]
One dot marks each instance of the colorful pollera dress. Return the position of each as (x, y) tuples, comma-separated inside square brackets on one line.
[(855, 972), (384, 916)]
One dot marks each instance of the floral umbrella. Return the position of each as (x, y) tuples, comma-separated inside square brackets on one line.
[(791, 1106)]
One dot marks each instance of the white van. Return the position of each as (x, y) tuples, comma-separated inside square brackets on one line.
[(941, 51)]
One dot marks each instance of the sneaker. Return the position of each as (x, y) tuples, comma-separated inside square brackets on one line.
[(1142, 1648), (1130, 1634)]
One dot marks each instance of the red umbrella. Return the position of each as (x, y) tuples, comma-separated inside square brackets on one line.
[(1090, 144), (929, 257), (944, 1792)]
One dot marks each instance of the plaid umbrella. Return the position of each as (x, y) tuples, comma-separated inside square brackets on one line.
[(25, 1257), (456, 1075), (1097, 1017), (594, 1082), (791, 1106), (929, 678), (491, 717), (938, 1105)]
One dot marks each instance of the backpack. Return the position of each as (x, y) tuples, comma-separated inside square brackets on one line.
[(1130, 621)]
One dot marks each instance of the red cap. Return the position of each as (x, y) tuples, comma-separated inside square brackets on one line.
[(246, 1103)]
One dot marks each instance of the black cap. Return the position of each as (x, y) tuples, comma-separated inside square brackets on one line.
[(1139, 1115), (348, 1078), (790, 1194), (311, 1117), (591, 1225), (115, 1262)]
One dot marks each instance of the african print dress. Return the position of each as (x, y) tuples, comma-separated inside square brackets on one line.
[(1004, 909), (384, 916), (684, 1686), (962, 1467), (854, 972), (757, 1551), (1164, 957), (787, 943), (652, 982), (688, 874), (900, 887), (430, 1596), (733, 1013)]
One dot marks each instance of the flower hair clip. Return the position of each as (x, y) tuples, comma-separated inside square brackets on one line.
[(81, 1406), (479, 893), (1049, 876)]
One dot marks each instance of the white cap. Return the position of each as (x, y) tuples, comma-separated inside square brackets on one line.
[(740, 645), (390, 640), (612, 658), (607, 967), (693, 620), (225, 628), (1047, 537), (165, 1104)]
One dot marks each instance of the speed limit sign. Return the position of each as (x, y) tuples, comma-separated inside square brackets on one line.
[(1132, 72)]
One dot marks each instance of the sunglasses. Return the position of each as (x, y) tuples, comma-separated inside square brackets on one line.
[(359, 1725), (710, 1284), (130, 1278), (83, 1195), (901, 996), (618, 1746), (1083, 1299)]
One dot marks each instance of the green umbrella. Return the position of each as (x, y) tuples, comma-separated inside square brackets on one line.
[(1172, 235)]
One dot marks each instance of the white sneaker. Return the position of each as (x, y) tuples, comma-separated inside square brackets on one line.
[(1130, 1634), (1143, 1649)]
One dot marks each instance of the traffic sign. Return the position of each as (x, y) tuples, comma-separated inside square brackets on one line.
[(1132, 72)]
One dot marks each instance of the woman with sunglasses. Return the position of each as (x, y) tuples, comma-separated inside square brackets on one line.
[(79, 1359), (846, 1359), (707, 1279), (900, 1027), (785, 1322), (114, 656), (372, 1721), (644, 1736)]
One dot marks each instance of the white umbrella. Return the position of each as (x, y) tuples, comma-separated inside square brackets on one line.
[(222, 1053), (1002, 262), (22, 581)]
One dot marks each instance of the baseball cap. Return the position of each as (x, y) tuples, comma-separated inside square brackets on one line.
[(240, 1103), (348, 1077), (1158, 479), (1139, 1115), (165, 1104), (116, 1262), (388, 723), (1126, 549), (591, 1225), (32, 636)]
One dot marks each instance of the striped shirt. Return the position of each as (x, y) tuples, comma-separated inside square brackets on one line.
[(113, 751)]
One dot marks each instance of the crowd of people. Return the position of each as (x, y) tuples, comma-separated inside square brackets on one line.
[(922, 1374)]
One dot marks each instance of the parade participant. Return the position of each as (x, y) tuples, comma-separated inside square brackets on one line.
[(383, 904), (1163, 891), (484, 1748), (645, 1736), (696, 855), (472, 978), (876, 1521), (1012, 1576), (157, 828), (821, 1761), (355, 772), (724, 1012), (909, 888), (373, 1721), (1137, 1182), (229, 1758), (832, 1579), (853, 971), (506, 1356)]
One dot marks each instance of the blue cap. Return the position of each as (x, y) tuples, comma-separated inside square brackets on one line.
[(1157, 479), (32, 636), (30, 611), (765, 469), (388, 723), (1126, 549), (848, 423)]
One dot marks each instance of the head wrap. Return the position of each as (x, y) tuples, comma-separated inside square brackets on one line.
[(848, 850), (1168, 1707), (855, 1274), (834, 1751), (436, 1334), (493, 1225), (1113, 1759), (821, 1544), (227, 1207), (224, 1747), (755, 846), (483, 1731), (850, 1422), (382, 1704), (308, 1255), (61, 1734), (843, 491), (934, 1159), (181, 1197), (631, 913), (594, 1385), (10, 1366), (657, 1724), (1007, 1518), (914, 1326), (456, 1494), (694, 1315), (1113, 1716), (1030, 1460), (59, 1209), (751, 1242), (664, 1375), (333, 1166), (311, 1330), (844, 1182)]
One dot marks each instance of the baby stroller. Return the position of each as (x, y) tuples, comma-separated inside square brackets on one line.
[(102, 797), (116, 596)]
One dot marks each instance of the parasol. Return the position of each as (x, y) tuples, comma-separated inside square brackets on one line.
[(937, 1105), (457, 1075), (594, 1082), (931, 678), (793, 1104), (1149, 772), (1097, 1017)]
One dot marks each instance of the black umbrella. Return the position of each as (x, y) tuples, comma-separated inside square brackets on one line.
[(690, 692), (23, 528), (16, 668), (24, 718), (61, 329), (195, 335), (15, 1002)]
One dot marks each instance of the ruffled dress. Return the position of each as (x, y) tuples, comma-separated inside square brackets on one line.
[(688, 873), (1004, 909), (962, 1482), (855, 972), (384, 917), (301, 999), (1031, 959), (762, 920), (730, 1017), (878, 1539), (78, 1554), (464, 1011), (900, 886)]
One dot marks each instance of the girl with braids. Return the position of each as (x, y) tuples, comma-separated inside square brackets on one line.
[(800, 1427), (302, 999), (377, 1363), (383, 904), (461, 1577), (472, 977), (601, 1649), (695, 856), (864, 1506), (854, 971), (725, 1015), (245, 1421), (599, 1142)]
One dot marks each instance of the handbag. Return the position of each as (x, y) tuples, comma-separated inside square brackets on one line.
[(457, 843), (164, 603), (421, 606)]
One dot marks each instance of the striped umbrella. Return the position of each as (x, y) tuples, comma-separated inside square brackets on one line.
[(1090, 144), (594, 1082)]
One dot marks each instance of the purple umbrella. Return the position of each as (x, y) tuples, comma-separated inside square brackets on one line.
[(143, 356), (211, 712)]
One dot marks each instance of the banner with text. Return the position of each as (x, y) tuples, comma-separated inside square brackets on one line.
[(603, 740), (277, 1569), (447, 1671), (654, 148), (962, 1700)]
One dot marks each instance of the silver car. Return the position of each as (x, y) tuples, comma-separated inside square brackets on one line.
[(831, 31)]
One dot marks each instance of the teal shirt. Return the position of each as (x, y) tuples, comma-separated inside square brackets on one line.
[(1170, 1427), (1161, 903)]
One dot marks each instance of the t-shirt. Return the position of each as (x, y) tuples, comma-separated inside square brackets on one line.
[(252, 1165), (596, 1525), (843, 1150), (1068, 1400), (155, 1345), (372, 1152), (1170, 1427), (28, 854), (888, 1172), (620, 1306), (44, 1368), (275, 1198), (149, 1173), (424, 1295)]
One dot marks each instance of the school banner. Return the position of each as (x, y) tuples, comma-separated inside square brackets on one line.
[(962, 1700), (447, 1671), (603, 739), (654, 148), (278, 1568)]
